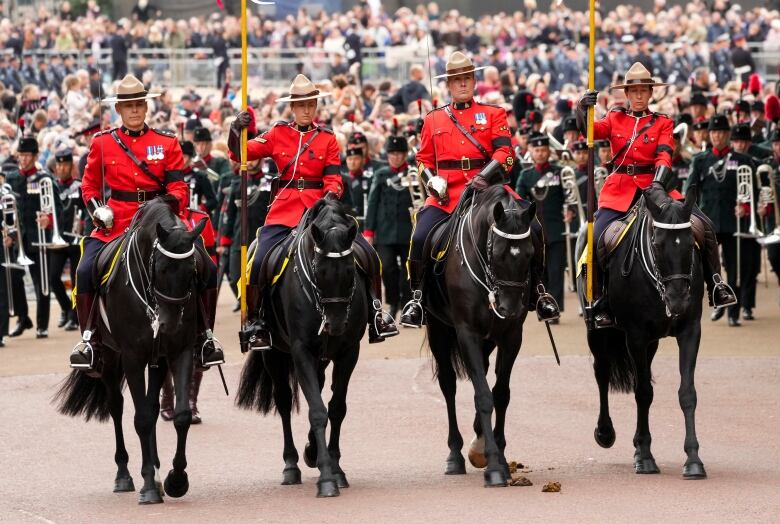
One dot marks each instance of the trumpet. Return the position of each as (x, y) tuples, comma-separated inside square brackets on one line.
[(600, 175), (571, 194), (745, 195), (768, 195)]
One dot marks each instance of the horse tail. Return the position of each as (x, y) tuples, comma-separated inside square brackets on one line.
[(256, 387), (82, 395), (612, 360)]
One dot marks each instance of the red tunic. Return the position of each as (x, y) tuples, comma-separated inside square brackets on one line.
[(441, 140), (654, 146), (319, 163), (162, 154)]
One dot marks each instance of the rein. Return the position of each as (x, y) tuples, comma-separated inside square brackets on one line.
[(491, 283)]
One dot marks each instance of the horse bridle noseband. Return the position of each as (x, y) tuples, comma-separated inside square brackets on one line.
[(491, 283), (662, 280)]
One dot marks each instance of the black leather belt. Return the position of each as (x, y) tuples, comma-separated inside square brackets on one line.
[(301, 183), (464, 164), (139, 196), (634, 169)]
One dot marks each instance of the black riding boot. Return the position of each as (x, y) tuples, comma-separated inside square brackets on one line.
[(84, 355), (382, 325), (719, 294), (166, 399), (255, 336), (413, 314), (540, 300), (210, 353)]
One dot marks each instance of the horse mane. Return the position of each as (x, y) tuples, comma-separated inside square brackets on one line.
[(162, 210)]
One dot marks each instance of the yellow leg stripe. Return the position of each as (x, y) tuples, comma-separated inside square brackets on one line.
[(281, 271), (105, 277)]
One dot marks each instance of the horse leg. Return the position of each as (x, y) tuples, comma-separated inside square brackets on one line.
[(604, 434), (505, 360), (643, 352), (113, 380), (278, 366), (477, 446), (441, 340), (337, 408), (176, 482), (156, 378), (306, 370), (144, 422), (471, 346), (688, 342), (310, 449)]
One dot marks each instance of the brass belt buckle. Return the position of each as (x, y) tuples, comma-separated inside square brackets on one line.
[(141, 196), (300, 184), (630, 169), (465, 164)]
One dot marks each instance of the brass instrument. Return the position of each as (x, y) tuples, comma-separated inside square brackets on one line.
[(571, 195), (194, 197), (687, 149), (47, 206), (415, 184), (745, 195), (600, 175), (768, 195), (562, 152), (199, 163), (11, 226)]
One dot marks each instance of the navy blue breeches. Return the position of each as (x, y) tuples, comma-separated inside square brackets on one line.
[(425, 220)]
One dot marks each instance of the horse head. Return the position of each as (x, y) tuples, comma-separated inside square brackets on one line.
[(333, 265), (173, 266), (509, 250), (672, 243)]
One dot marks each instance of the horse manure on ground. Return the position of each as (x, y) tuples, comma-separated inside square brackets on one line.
[(552, 487), (514, 466), (520, 481)]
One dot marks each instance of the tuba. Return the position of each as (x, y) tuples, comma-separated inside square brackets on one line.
[(768, 195)]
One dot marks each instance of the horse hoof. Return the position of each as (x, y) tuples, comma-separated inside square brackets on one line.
[(176, 484), (495, 479), (694, 471), (455, 465), (291, 476), (310, 455), (477, 453), (606, 438), (646, 466), (341, 480), (327, 488), (124, 484), (150, 496)]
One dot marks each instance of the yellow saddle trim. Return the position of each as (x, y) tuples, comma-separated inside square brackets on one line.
[(107, 275), (281, 271), (582, 262)]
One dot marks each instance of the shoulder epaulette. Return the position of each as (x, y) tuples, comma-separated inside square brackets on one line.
[(664, 115), (280, 123), (436, 109), (326, 129), (105, 132), (489, 105), (164, 132), (620, 109)]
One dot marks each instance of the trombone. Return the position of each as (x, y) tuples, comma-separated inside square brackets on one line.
[(11, 226), (571, 195), (745, 195), (47, 206), (768, 195), (600, 175)]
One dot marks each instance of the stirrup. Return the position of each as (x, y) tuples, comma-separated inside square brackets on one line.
[(543, 294), (249, 341), (409, 310), (384, 317), (216, 345), (719, 283), (80, 348)]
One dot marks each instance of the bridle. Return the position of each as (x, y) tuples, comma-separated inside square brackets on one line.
[(491, 283), (659, 280), (317, 298)]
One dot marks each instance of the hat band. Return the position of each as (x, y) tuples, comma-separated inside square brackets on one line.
[(309, 94), (131, 96), (639, 81), (460, 70)]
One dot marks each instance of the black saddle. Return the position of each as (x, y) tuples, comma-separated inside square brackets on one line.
[(104, 269)]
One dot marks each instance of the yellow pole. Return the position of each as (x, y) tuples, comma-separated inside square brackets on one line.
[(591, 155), (243, 168)]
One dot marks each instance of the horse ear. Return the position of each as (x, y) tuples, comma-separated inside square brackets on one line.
[(198, 229), (650, 203), (317, 233), (531, 211), (690, 198), (353, 230), (162, 234), (498, 212)]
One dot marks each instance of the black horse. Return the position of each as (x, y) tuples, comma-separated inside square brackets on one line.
[(475, 300), (149, 312), (319, 310), (655, 288)]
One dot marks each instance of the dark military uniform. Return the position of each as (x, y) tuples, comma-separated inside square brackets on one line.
[(201, 190), (715, 174), (542, 184), (769, 223), (355, 196)]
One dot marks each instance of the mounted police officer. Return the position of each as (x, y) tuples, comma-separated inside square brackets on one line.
[(27, 185), (462, 143), (389, 223), (72, 229), (642, 145), (114, 162), (309, 165)]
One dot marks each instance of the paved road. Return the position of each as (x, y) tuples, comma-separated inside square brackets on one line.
[(394, 441)]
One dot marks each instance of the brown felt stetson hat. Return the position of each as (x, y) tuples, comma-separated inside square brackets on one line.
[(302, 89), (130, 88), (638, 75), (458, 64)]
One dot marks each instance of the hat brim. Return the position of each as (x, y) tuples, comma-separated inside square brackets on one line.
[(114, 99), (459, 73), (300, 98), (648, 84)]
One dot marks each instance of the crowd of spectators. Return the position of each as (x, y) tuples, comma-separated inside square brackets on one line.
[(697, 46)]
